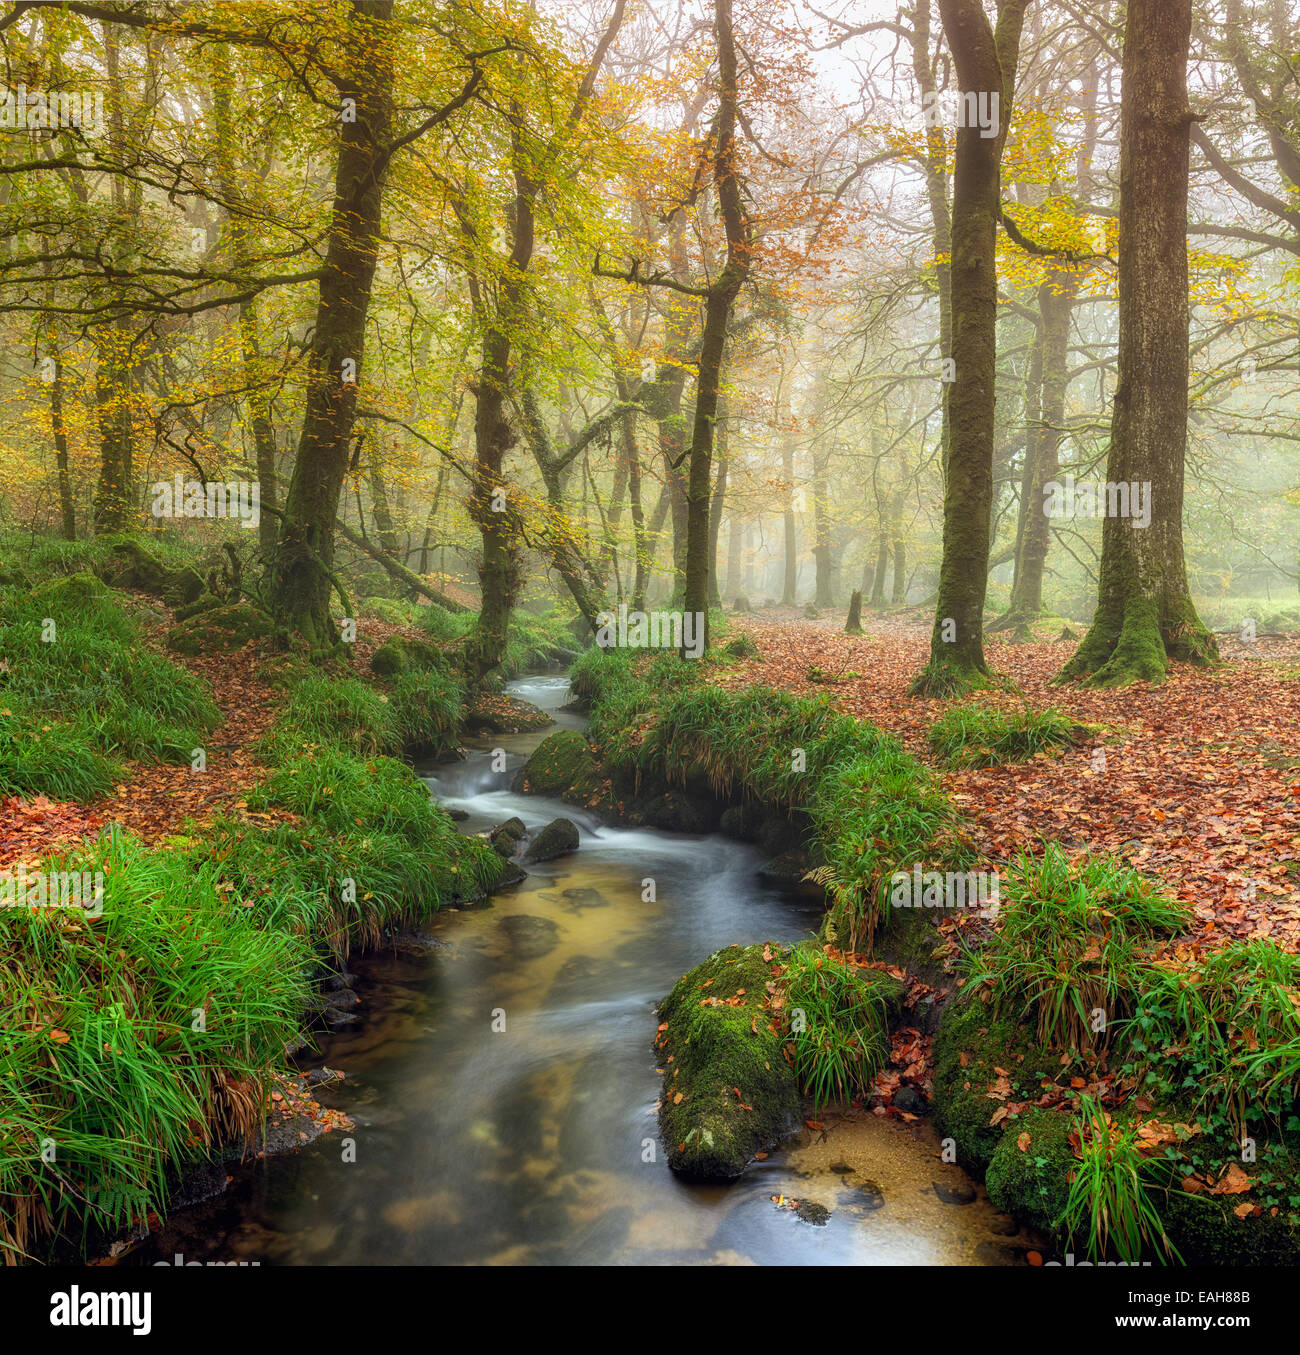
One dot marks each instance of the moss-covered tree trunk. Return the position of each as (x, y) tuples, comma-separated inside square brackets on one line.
[(986, 65), (1145, 615), (304, 553)]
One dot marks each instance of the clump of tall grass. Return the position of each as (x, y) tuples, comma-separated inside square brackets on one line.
[(341, 713), (43, 757), (129, 1039), (839, 1025), (1224, 1030), (75, 662), (976, 735), (875, 814), (426, 710), (1110, 1201), (1070, 950)]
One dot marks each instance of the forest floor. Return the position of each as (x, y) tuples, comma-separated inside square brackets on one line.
[(156, 799), (1201, 780), (1200, 787)]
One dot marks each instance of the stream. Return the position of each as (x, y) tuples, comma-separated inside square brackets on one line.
[(538, 1143)]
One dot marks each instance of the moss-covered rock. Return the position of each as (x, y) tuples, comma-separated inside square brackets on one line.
[(962, 1106), (72, 589), (558, 838), (1031, 1181), (398, 655), (561, 765), (205, 603), (728, 1090), (218, 630)]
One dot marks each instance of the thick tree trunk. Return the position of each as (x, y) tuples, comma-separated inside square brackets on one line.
[(305, 550), (1145, 615), (985, 62)]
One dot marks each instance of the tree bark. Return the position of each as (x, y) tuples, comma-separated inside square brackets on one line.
[(305, 549), (1145, 615), (985, 60)]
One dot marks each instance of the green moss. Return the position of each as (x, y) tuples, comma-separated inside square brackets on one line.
[(713, 1049), (131, 565), (398, 655), (962, 1106), (218, 630), (1030, 1182), (73, 590), (561, 765)]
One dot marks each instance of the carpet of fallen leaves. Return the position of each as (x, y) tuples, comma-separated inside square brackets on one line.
[(1201, 785)]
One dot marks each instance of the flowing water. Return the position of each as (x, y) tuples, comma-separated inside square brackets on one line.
[(503, 1085)]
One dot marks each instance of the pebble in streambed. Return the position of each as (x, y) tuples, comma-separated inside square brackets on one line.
[(888, 1183)]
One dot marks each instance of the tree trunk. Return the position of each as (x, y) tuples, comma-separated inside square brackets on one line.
[(853, 626), (59, 431), (717, 316), (305, 550), (985, 61), (1055, 302), (1145, 615)]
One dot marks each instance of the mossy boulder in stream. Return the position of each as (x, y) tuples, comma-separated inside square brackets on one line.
[(561, 765), (728, 1090)]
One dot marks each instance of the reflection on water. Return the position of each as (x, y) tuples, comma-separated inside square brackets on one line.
[(503, 1086)]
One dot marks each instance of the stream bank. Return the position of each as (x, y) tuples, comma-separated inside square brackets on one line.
[(538, 1142)]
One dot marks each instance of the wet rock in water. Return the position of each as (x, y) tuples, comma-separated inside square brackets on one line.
[(742, 822), (581, 897), (331, 983), (812, 1212), (841, 1168), (677, 811), (512, 874), (787, 871), (961, 1193), (412, 939), (558, 838), (530, 937), (503, 839), (457, 815), (318, 1077), (911, 1101), (1003, 1225), (334, 1018), (562, 764), (868, 1194), (341, 999), (717, 1047)]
